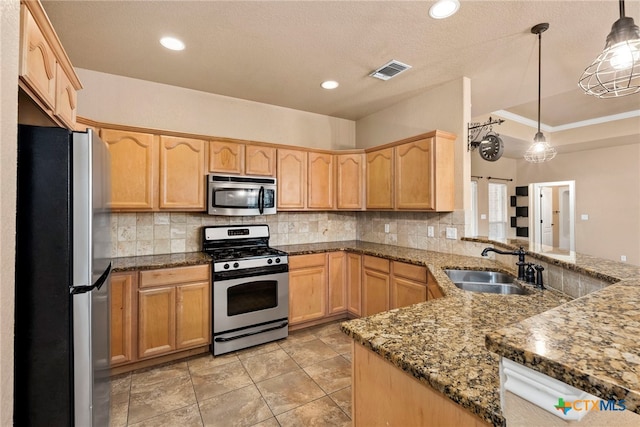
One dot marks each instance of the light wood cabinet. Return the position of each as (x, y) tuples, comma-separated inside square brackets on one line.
[(408, 284), (173, 310), (424, 174), (337, 296), (122, 300), (45, 72), (134, 169), (320, 183), (307, 288), (375, 285), (379, 183), (260, 160), (350, 181), (433, 289), (182, 173), (292, 179), (226, 157), (354, 283)]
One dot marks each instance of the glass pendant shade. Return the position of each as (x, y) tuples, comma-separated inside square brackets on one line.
[(616, 71), (540, 151)]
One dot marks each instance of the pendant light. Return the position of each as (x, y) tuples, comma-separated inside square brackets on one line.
[(616, 71), (540, 151)]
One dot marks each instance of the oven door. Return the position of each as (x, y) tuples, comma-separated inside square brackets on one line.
[(242, 302)]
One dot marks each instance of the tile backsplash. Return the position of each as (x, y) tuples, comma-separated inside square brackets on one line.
[(156, 233)]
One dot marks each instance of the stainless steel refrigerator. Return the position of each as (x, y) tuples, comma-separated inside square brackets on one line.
[(63, 265)]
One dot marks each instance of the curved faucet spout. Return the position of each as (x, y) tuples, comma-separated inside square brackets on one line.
[(520, 253)]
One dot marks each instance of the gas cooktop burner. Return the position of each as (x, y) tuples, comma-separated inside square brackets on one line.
[(238, 247)]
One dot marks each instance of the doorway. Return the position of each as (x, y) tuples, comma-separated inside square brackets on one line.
[(553, 213)]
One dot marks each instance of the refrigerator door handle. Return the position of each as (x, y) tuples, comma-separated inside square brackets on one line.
[(101, 280)]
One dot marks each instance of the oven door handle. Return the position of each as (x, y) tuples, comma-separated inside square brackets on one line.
[(261, 200), (237, 337)]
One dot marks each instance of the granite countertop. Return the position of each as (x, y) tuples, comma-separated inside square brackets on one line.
[(151, 262), (453, 344)]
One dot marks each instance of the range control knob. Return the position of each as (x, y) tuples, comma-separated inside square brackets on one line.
[(226, 266), (277, 260), (269, 261), (236, 265)]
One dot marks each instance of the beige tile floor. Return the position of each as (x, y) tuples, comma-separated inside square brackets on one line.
[(304, 380)]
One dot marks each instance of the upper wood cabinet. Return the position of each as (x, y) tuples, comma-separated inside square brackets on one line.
[(350, 181), (134, 169), (260, 160), (320, 184), (292, 179), (45, 72), (226, 157), (242, 159), (424, 174), (380, 179), (182, 173)]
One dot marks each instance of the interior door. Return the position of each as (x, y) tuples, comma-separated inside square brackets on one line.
[(546, 215)]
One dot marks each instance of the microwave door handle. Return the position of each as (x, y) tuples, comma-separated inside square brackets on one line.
[(261, 200)]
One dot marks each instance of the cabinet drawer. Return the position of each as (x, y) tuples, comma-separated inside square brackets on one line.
[(376, 263), (410, 271), (171, 276), (303, 261)]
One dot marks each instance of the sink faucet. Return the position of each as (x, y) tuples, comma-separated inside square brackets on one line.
[(520, 253)]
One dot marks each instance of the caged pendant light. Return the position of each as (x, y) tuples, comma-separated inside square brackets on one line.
[(540, 151), (616, 71)]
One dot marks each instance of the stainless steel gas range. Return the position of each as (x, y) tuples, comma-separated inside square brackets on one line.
[(250, 287)]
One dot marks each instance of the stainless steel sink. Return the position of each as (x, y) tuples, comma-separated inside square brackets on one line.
[(493, 282)]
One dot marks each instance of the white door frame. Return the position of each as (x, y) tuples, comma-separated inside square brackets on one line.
[(534, 210)]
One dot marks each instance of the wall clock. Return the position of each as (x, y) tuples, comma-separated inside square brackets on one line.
[(491, 147)]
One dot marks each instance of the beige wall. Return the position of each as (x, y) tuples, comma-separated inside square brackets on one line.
[(607, 189), (502, 168), (122, 100), (446, 107), (9, 28)]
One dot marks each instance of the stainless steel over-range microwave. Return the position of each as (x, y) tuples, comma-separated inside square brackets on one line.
[(235, 195)]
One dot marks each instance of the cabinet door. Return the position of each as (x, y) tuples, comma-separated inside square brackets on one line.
[(292, 179), (121, 326), (157, 321), (260, 160), (320, 181), (226, 157), (182, 173), (407, 292), (38, 61), (307, 288), (349, 181), (380, 179), (413, 175), (354, 283), (375, 292), (193, 324), (134, 169), (337, 286), (433, 290), (66, 97)]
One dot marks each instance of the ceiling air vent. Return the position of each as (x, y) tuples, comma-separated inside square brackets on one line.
[(390, 69)]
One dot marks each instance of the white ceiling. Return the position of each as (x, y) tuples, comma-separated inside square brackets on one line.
[(278, 52)]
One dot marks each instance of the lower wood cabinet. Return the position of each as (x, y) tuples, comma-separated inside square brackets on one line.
[(307, 288), (354, 284), (173, 309), (375, 285), (433, 290), (337, 289), (408, 284), (122, 294), (159, 312)]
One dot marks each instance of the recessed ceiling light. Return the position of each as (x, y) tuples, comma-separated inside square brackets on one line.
[(172, 43), (330, 84), (444, 9)]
